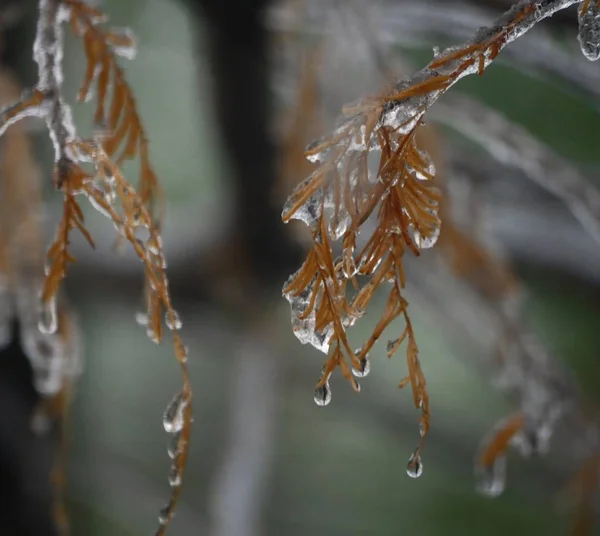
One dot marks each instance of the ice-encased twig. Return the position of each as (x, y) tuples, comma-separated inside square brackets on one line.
[(106, 190), (415, 23), (455, 63), (513, 146), (48, 54), (589, 29), (516, 362), (400, 112)]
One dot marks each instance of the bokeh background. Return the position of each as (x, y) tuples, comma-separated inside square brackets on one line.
[(265, 460)]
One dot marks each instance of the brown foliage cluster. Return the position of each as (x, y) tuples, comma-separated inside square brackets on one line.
[(394, 201), (92, 168)]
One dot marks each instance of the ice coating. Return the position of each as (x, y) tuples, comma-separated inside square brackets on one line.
[(589, 30)]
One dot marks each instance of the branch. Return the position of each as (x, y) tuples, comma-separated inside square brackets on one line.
[(342, 194)]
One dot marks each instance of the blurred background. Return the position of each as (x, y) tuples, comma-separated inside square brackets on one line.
[(230, 93)]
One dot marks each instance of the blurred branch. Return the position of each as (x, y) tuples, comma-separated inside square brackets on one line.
[(240, 484), (415, 24), (511, 145)]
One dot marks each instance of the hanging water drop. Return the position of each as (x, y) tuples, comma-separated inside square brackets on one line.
[(47, 320), (589, 31), (163, 516), (390, 345), (141, 318), (323, 395), (173, 418), (173, 449), (173, 321), (414, 467), (167, 513), (491, 478), (365, 368), (123, 42), (422, 428), (154, 245), (152, 335), (174, 476)]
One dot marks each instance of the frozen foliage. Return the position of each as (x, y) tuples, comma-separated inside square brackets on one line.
[(91, 168), (394, 203), (589, 29)]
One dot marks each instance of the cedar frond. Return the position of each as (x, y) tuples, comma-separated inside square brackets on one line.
[(490, 465), (342, 194), (123, 135), (58, 256), (107, 188), (340, 204), (92, 168)]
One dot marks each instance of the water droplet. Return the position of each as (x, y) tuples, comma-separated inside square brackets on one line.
[(141, 318), (173, 449), (349, 266), (425, 241), (152, 335), (436, 51), (172, 320), (166, 513), (163, 517), (491, 479), (365, 368), (47, 320), (589, 32), (422, 428), (323, 395), (414, 468), (123, 42), (173, 418), (182, 353), (174, 476), (155, 245)]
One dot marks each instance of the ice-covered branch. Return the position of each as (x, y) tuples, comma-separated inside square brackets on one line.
[(513, 146), (417, 93), (91, 168), (344, 191), (48, 54)]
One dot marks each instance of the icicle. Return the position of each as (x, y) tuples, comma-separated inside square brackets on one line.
[(310, 211), (48, 322), (491, 478), (173, 321), (46, 354), (304, 328), (589, 31)]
